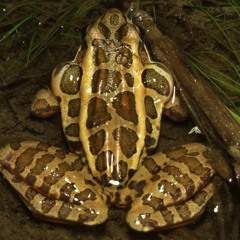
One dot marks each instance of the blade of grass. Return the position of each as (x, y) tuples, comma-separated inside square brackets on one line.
[(236, 116), (31, 46), (206, 76), (235, 6), (215, 75), (220, 56), (15, 28), (232, 47), (75, 11)]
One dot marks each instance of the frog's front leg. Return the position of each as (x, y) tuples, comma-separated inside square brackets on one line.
[(64, 94), (169, 188), (52, 184), (174, 109), (44, 104)]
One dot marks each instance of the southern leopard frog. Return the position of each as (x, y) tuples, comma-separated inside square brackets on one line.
[(111, 99)]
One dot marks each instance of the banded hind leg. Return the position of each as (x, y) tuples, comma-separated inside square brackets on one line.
[(169, 189), (53, 185)]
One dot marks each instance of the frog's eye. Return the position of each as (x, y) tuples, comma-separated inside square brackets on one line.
[(66, 78)]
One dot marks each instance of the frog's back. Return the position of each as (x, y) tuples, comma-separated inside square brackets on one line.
[(111, 99), (112, 96)]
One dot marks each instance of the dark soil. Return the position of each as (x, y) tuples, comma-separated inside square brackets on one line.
[(17, 90)]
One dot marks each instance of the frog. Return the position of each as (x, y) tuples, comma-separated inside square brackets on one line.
[(111, 97)]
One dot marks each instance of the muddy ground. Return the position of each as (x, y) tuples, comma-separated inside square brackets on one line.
[(17, 89)]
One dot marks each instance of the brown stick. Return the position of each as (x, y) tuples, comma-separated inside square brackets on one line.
[(207, 110)]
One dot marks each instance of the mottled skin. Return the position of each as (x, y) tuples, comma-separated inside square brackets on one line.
[(111, 99)]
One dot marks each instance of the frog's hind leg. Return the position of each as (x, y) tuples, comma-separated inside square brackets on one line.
[(169, 188), (53, 185), (149, 217)]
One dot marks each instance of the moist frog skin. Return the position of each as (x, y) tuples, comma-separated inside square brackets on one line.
[(111, 100)]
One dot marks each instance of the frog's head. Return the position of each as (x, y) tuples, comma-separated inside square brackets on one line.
[(113, 25)]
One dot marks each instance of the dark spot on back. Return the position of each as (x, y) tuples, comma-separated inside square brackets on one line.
[(127, 139), (149, 141), (74, 107), (124, 55), (97, 113), (129, 79), (148, 126), (101, 53), (96, 141), (72, 130), (120, 171), (75, 146), (125, 106), (105, 81), (103, 160), (150, 107)]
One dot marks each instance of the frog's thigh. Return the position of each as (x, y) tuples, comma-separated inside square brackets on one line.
[(170, 177), (53, 185), (144, 218)]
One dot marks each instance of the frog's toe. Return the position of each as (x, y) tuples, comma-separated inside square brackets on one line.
[(146, 217)]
